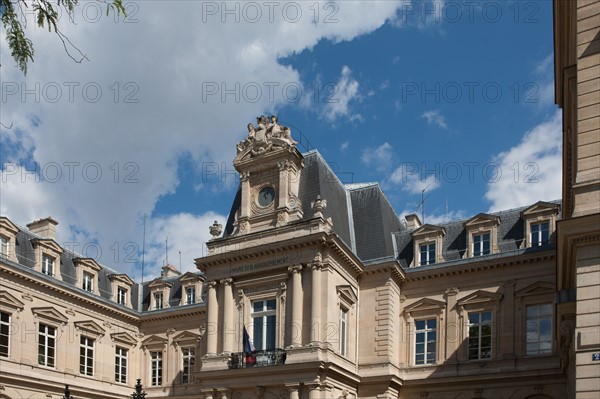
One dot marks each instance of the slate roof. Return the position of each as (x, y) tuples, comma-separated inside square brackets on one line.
[(511, 232)]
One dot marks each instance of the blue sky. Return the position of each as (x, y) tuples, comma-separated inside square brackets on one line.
[(449, 96)]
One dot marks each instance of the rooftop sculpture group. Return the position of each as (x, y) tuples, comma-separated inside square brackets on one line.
[(266, 136)]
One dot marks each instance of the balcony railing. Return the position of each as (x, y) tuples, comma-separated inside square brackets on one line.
[(240, 360)]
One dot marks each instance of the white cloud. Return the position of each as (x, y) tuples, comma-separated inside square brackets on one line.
[(344, 146), (531, 171), (435, 118), (380, 157), (414, 183), (384, 85), (154, 89), (346, 90)]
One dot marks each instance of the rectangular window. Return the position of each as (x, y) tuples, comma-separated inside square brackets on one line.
[(539, 329), (121, 365), (427, 254), (425, 341), (343, 331), (540, 234), (48, 265), (190, 295), (4, 333), (88, 282), (121, 296), (481, 244), (155, 368), (3, 246), (158, 300), (264, 319), (480, 335), (189, 359), (86, 356), (46, 345)]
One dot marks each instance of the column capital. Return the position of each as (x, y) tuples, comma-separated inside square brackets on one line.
[(211, 284), (295, 268), (227, 281), (452, 291)]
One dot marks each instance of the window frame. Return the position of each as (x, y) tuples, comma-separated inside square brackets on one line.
[(539, 242), (428, 251), (87, 351), (158, 305), (190, 300), (48, 264), (343, 330), (4, 246), (121, 371), (528, 322), (5, 331), (481, 250), (480, 324), (46, 346), (87, 281), (264, 315), (122, 295), (188, 360), (156, 368)]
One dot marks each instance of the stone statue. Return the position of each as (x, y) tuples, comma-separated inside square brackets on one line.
[(266, 136), (216, 229)]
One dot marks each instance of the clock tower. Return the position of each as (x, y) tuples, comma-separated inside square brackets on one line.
[(269, 165)]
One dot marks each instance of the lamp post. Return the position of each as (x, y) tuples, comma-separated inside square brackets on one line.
[(139, 390), (67, 394)]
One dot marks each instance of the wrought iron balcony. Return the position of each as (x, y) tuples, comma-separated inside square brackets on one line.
[(239, 360)]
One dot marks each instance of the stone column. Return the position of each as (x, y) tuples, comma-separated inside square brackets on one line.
[(213, 319), (228, 328), (314, 390), (315, 308), (294, 390), (225, 393), (297, 304)]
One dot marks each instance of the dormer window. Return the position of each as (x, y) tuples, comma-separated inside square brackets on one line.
[(481, 244), (428, 240), (122, 296), (88, 282), (427, 256), (540, 234), (3, 246), (482, 235), (190, 295), (158, 300), (48, 265)]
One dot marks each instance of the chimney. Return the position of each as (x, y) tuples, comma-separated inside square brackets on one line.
[(169, 271), (45, 228), (413, 221)]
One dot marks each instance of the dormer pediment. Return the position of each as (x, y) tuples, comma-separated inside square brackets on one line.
[(154, 341), (90, 326), (539, 288), (482, 219), (47, 243), (425, 304), (479, 297), (428, 229), (190, 277), (9, 302), (87, 262), (123, 338), (346, 294), (49, 314), (6, 224), (122, 278), (541, 207), (158, 283)]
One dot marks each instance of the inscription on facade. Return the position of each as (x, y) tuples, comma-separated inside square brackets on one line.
[(258, 266)]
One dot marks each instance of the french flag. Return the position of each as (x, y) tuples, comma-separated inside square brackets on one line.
[(249, 349)]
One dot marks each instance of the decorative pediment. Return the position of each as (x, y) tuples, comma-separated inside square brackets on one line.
[(427, 229), (47, 243), (186, 338), (539, 288), (541, 207), (482, 219), (190, 277), (87, 262), (122, 278), (158, 283), (425, 304), (89, 326), (9, 302), (346, 294), (479, 297), (154, 342), (49, 314), (6, 224), (123, 338)]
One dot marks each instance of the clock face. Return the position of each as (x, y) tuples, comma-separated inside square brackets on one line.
[(266, 196)]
